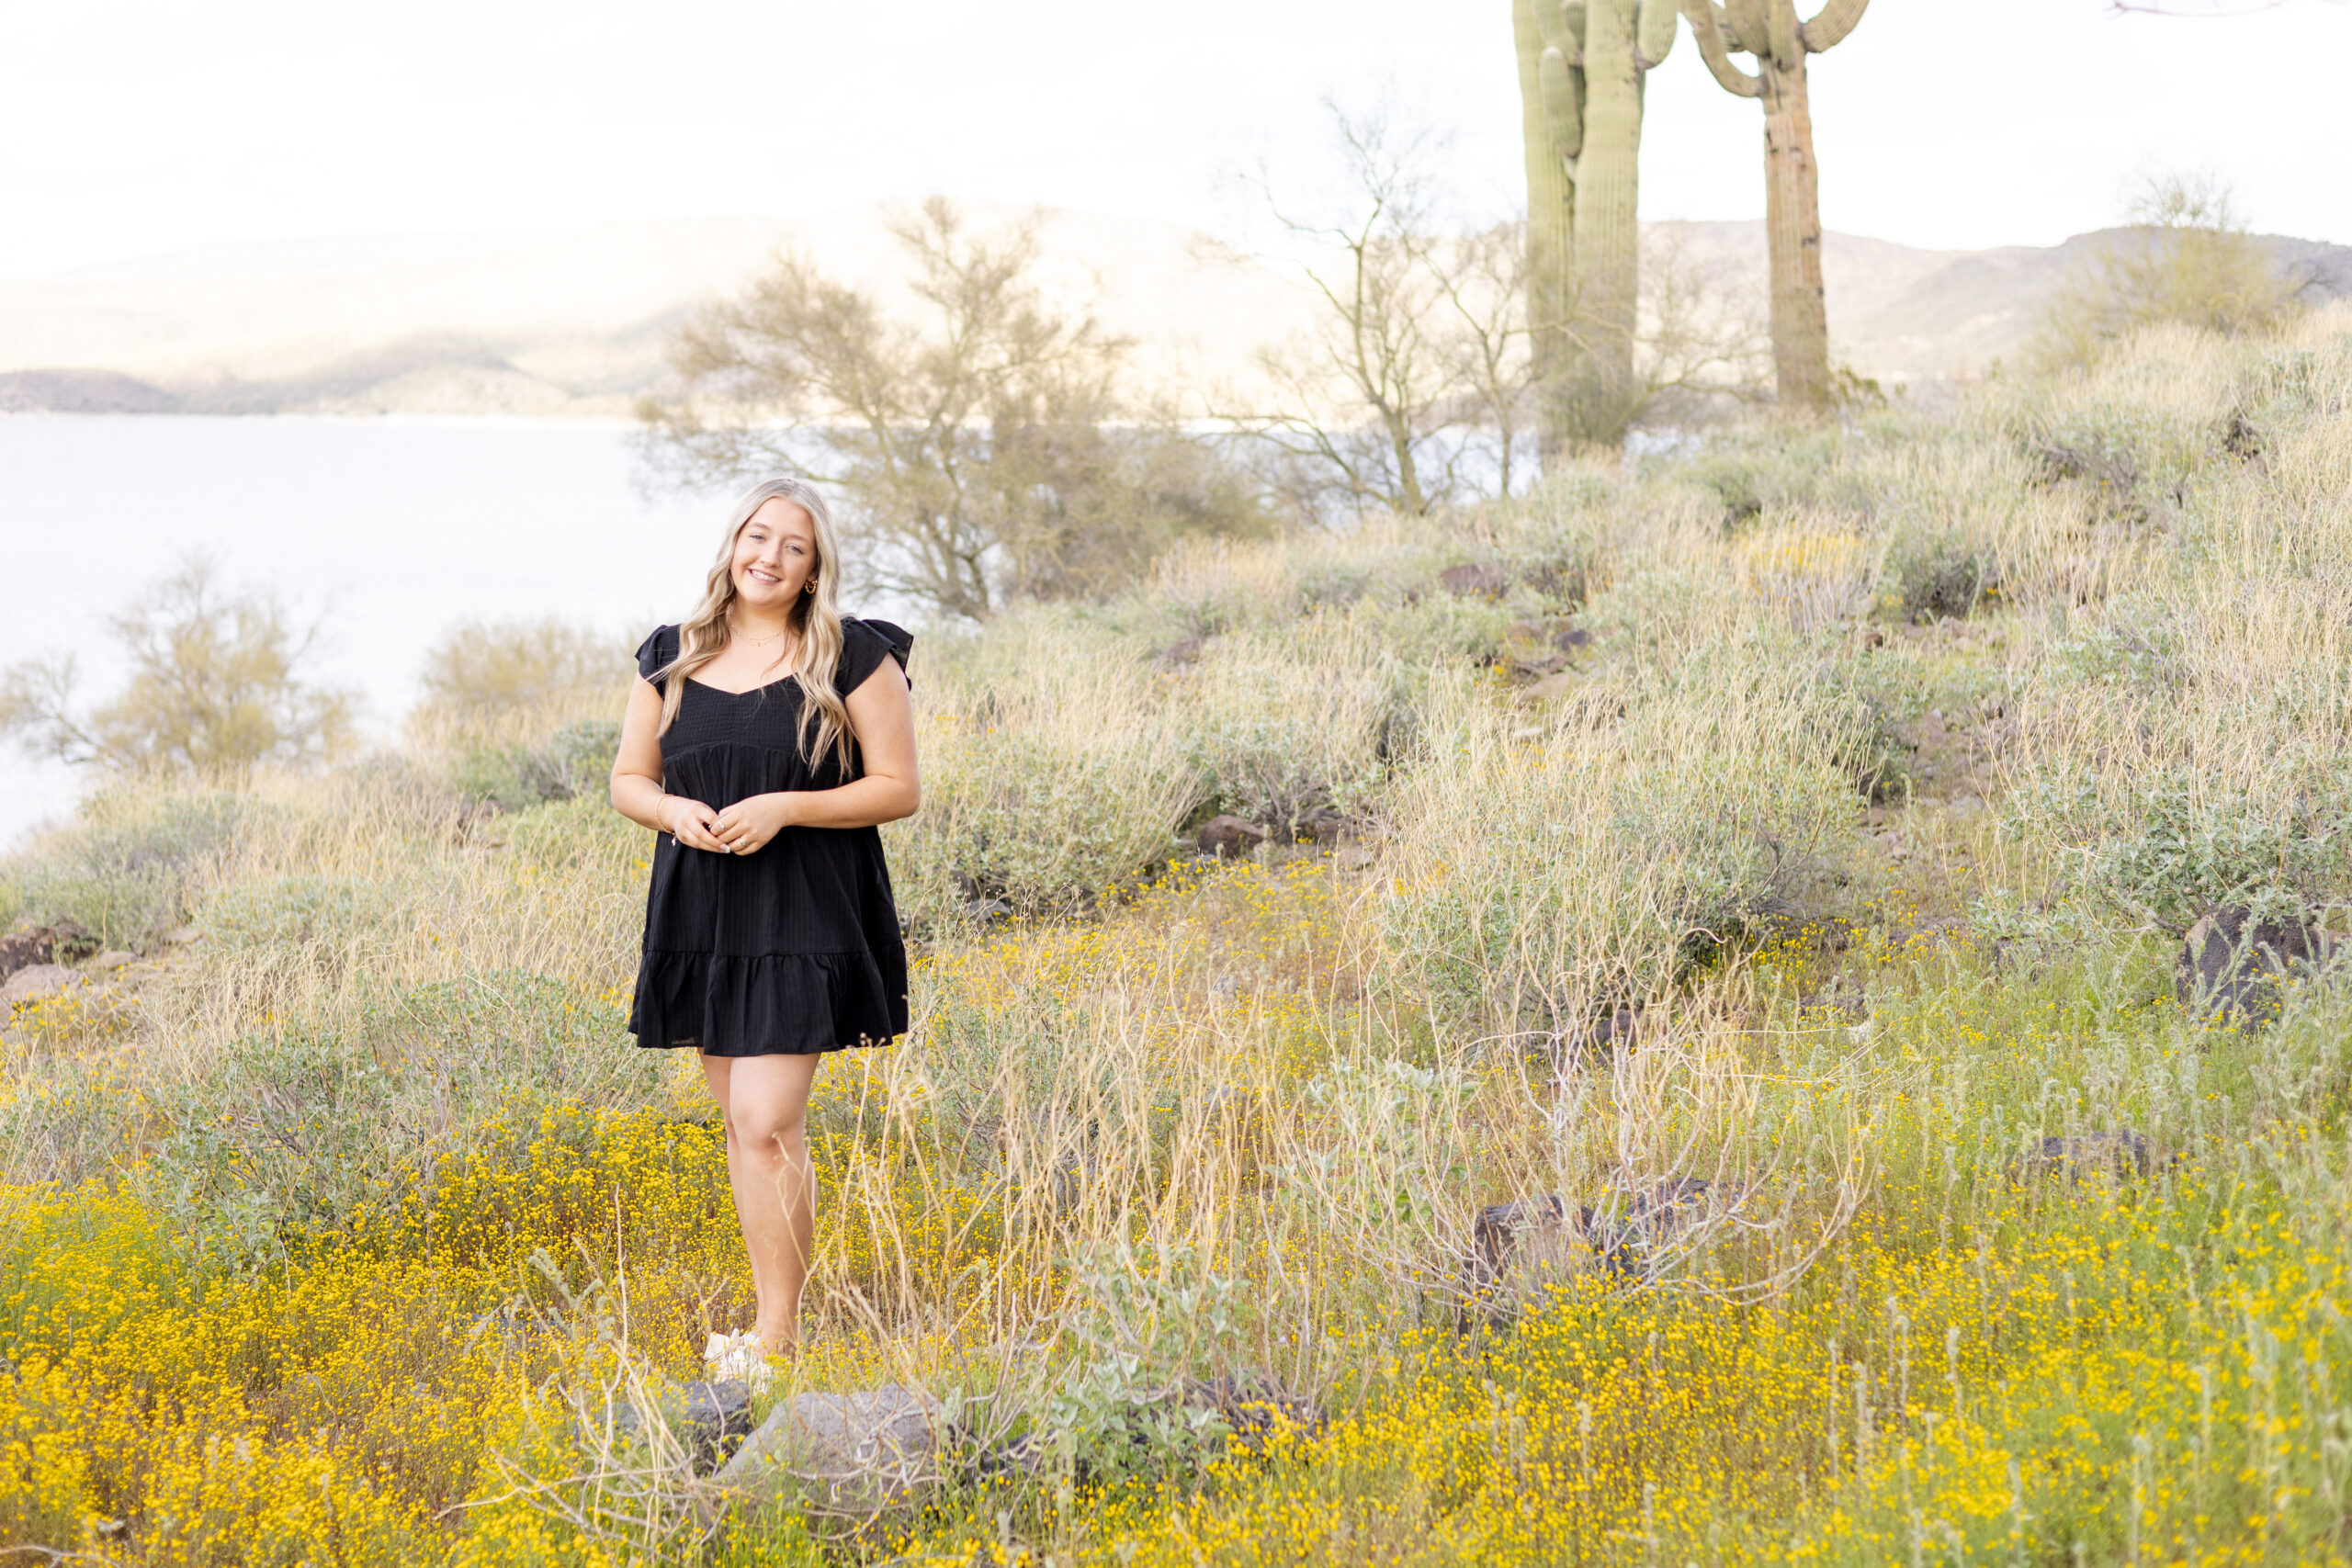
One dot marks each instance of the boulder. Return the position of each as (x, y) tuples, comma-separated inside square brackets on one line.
[(1550, 687), (1325, 824), (23, 949), (710, 1419), (2120, 1155), (1229, 838), (1526, 1235), (1483, 581), (112, 958), (33, 984), (1544, 1236), (853, 1453), (1256, 1409), (2232, 966)]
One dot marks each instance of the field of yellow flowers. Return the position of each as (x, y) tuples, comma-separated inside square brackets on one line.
[(1803, 828)]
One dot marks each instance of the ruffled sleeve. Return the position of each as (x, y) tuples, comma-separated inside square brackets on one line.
[(657, 651), (865, 644)]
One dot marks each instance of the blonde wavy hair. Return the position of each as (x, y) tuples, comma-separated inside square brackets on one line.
[(815, 618)]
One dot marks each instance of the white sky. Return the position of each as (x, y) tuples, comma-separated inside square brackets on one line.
[(134, 127)]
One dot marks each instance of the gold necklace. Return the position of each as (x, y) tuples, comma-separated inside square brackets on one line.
[(756, 641)]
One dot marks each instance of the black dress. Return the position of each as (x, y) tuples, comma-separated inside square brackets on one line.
[(795, 948)]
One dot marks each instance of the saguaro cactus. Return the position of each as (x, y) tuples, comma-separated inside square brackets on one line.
[(1581, 66), (1769, 30)]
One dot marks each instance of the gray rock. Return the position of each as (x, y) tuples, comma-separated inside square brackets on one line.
[(2232, 968), (1485, 581), (2120, 1156), (1229, 838), (34, 983), (1325, 824), (1256, 1409), (1544, 1236), (851, 1452), (711, 1419), (113, 958)]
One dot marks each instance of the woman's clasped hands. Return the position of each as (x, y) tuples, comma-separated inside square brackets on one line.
[(741, 828)]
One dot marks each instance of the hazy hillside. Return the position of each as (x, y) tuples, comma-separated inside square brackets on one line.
[(574, 323), (568, 324), (1905, 315)]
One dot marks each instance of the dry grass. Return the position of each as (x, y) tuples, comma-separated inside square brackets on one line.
[(354, 1220)]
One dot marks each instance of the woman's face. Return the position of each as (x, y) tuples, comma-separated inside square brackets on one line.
[(776, 556)]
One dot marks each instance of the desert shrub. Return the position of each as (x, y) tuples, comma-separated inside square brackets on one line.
[(482, 672), (581, 836), (1149, 1329), (2186, 259), (1047, 823), (2176, 844), (1537, 878), (1285, 723), (133, 864), (288, 913), (1873, 699), (290, 1128), (577, 759), (1052, 770), (1933, 577), (1752, 474)]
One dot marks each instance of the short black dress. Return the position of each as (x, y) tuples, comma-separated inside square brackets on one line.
[(791, 950)]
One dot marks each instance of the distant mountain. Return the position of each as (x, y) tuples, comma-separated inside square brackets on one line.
[(570, 324), (1908, 316), (575, 324)]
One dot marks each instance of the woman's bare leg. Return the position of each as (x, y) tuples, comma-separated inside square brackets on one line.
[(765, 1102)]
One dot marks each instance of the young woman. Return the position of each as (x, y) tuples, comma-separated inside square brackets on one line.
[(769, 736)]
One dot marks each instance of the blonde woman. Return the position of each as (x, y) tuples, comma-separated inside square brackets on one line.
[(769, 737)]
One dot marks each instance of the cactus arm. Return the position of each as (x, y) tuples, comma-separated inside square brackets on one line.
[(1708, 34), (1744, 26), (1562, 106), (1654, 35), (1828, 29), (1782, 30), (1561, 25)]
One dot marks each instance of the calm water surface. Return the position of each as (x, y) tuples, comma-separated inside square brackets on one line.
[(386, 531)]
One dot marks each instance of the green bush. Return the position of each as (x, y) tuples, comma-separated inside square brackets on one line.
[(1533, 878), (2179, 844), (290, 1129), (1041, 822), (1938, 578), (132, 866), (289, 913), (576, 761)]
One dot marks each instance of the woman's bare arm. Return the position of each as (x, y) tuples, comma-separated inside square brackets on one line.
[(637, 794)]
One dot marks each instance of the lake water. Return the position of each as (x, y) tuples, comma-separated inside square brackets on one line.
[(385, 530)]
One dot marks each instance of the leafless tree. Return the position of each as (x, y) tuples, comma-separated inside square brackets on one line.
[(981, 439), (1362, 402), (1417, 386)]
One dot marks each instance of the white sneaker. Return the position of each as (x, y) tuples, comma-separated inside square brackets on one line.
[(740, 1356)]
